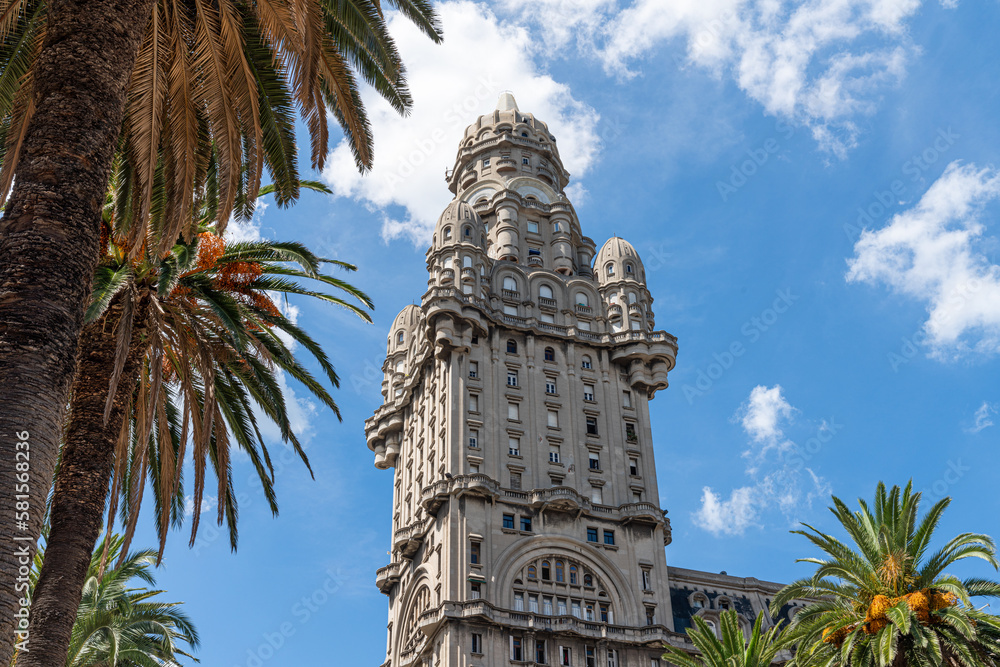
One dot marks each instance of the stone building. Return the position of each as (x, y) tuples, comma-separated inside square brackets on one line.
[(526, 526)]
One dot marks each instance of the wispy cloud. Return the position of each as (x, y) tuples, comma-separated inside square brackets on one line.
[(983, 418), (935, 252), (822, 63), (780, 479)]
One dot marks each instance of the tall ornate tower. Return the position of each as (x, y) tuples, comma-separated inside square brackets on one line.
[(525, 520)]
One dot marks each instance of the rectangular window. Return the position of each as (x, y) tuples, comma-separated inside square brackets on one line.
[(516, 650), (550, 386), (547, 605), (591, 656), (526, 524), (533, 604), (508, 521), (548, 318), (473, 369), (474, 556), (627, 399), (513, 411), (514, 446), (473, 403), (533, 226), (473, 468), (565, 656), (596, 495), (525, 160), (510, 310), (595, 461), (588, 392), (515, 480), (518, 601), (486, 162), (540, 652), (561, 606), (609, 537), (650, 616), (591, 534), (612, 658), (477, 643), (473, 438), (646, 582), (605, 618), (576, 608), (511, 378), (630, 435), (553, 453), (476, 590), (591, 425), (633, 466), (553, 419), (588, 612)]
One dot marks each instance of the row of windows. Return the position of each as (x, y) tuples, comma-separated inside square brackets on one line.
[(558, 606), (564, 654)]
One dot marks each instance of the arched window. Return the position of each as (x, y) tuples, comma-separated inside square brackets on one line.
[(628, 268), (447, 233), (545, 570), (545, 292), (559, 571), (400, 365), (400, 336), (512, 347), (447, 262), (610, 269), (585, 362), (468, 232), (510, 283), (582, 299), (631, 297), (614, 297), (524, 134), (550, 354), (572, 575), (588, 581), (557, 227), (532, 572), (467, 262)]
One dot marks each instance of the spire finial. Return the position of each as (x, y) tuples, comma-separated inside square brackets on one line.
[(507, 102)]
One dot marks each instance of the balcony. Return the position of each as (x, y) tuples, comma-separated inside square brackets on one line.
[(614, 309), (583, 310), (649, 635), (388, 576), (547, 303), (408, 539), (642, 512), (506, 164), (469, 179), (434, 496), (511, 294)]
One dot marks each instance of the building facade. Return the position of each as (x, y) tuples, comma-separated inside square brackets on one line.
[(526, 526)]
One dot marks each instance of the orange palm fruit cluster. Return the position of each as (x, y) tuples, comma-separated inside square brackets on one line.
[(837, 637), (210, 249), (237, 275)]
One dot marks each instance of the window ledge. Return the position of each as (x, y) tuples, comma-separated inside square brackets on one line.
[(610, 547)]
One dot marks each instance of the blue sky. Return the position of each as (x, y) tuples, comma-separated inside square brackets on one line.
[(812, 188)]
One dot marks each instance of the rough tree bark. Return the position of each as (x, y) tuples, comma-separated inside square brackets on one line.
[(48, 249), (81, 487)]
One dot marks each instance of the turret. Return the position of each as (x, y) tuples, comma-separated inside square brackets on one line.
[(622, 283)]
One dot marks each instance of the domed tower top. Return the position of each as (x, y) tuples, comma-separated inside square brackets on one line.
[(617, 261), (505, 144), (459, 223), (404, 328)]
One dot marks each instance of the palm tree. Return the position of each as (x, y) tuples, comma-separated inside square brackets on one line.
[(200, 343), (122, 626), (884, 598), (163, 93), (734, 649)]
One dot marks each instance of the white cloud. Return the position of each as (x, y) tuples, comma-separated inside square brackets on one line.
[(453, 83), (730, 517), (935, 253), (763, 413), (208, 504), (983, 418), (775, 464), (821, 63)]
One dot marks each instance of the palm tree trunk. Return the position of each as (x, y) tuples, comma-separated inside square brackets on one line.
[(82, 483), (48, 245)]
